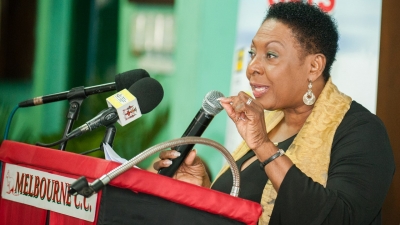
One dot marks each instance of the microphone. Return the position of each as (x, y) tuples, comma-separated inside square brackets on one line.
[(125, 106), (109, 136), (210, 107), (122, 80)]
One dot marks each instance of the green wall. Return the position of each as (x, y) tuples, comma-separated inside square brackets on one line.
[(49, 74), (205, 39)]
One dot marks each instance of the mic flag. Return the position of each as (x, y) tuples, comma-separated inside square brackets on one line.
[(144, 96), (126, 105)]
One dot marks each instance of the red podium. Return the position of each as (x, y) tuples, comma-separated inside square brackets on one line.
[(35, 183)]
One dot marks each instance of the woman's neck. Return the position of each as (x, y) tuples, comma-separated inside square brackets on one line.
[(290, 125)]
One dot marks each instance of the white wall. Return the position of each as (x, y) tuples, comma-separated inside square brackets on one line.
[(355, 70)]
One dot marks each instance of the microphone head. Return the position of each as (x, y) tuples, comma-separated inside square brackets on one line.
[(148, 92), (126, 79), (210, 103)]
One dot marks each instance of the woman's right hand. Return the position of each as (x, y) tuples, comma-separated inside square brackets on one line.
[(192, 170)]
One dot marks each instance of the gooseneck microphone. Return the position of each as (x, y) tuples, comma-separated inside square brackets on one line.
[(210, 107), (122, 80)]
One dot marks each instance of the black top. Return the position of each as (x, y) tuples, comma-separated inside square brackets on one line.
[(360, 172), (252, 178)]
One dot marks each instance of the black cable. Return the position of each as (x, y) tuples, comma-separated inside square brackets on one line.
[(90, 151), (54, 143)]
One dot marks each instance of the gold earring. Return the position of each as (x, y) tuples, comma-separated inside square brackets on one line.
[(309, 97)]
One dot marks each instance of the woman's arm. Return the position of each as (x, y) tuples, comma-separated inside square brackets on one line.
[(359, 176)]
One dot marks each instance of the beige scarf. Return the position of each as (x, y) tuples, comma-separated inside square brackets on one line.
[(311, 149)]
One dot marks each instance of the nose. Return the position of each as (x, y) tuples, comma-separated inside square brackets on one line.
[(254, 67)]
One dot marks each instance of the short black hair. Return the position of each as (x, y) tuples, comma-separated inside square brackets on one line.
[(315, 30)]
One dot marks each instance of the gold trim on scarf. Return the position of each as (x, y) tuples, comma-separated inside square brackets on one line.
[(311, 149)]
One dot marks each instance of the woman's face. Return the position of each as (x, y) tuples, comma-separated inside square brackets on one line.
[(277, 72)]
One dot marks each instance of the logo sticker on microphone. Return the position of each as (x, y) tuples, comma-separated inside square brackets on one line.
[(130, 112), (126, 105)]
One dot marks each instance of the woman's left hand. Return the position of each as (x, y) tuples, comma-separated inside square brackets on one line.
[(248, 116)]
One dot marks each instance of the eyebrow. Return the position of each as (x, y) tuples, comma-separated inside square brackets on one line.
[(266, 44)]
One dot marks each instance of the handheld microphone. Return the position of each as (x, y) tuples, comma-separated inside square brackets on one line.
[(210, 107), (125, 106), (122, 80)]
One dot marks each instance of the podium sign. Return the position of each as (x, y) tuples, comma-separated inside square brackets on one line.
[(46, 191)]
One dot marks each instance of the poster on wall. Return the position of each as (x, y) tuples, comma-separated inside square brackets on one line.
[(355, 70)]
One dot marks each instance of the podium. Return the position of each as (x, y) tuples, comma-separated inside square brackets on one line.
[(35, 183)]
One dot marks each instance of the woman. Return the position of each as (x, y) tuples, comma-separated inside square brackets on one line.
[(327, 156)]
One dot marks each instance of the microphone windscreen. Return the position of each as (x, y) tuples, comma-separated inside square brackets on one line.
[(211, 104), (148, 92), (126, 79)]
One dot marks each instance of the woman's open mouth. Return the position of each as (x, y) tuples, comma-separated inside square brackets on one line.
[(259, 90)]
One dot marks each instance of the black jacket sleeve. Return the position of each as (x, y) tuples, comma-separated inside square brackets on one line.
[(360, 173)]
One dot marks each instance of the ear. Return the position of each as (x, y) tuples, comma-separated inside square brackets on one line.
[(317, 66)]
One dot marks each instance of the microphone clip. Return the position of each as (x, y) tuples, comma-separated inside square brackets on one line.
[(81, 186)]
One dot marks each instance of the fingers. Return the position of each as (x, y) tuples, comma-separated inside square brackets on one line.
[(233, 107), (246, 100), (238, 106), (193, 171), (162, 164), (227, 105), (165, 157), (169, 154), (190, 158)]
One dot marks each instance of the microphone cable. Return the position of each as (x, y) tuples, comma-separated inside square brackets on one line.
[(53, 143), (109, 136), (90, 151), (7, 131), (9, 122)]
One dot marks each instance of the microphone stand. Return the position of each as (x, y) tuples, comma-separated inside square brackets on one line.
[(75, 97), (107, 139), (82, 187), (108, 136)]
